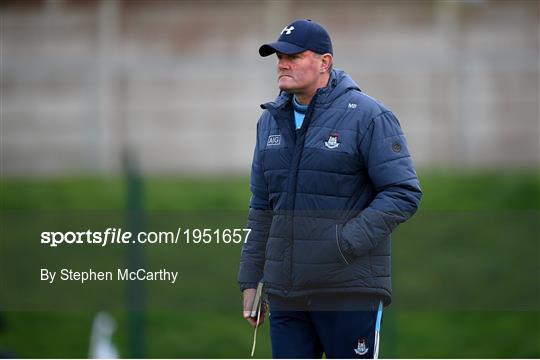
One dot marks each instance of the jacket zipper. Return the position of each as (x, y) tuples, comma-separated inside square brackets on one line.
[(302, 131)]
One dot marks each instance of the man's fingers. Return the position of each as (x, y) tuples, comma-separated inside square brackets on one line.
[(253, 321), (249, 295)]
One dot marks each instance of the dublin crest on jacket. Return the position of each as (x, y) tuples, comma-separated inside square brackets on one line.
[(333, 141)]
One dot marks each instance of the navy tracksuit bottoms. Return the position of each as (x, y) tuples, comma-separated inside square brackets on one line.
[(339, 326)]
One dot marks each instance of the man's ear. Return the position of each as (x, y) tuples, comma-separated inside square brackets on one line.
[(326, 62)]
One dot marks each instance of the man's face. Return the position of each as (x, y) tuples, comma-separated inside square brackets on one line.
[(299, 72)]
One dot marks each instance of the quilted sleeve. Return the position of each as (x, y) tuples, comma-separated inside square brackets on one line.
[(391, 170), (259, 221)]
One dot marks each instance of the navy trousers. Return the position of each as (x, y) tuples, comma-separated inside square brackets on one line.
[(307, 327)]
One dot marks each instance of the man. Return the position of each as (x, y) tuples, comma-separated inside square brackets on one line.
[(331, 179)]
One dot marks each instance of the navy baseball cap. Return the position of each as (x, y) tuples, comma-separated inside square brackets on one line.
[(300, 35)]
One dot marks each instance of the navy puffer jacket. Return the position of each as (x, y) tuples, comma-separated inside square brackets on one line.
[(327, 197)]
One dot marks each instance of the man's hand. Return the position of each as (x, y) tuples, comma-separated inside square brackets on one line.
[(249, 296)]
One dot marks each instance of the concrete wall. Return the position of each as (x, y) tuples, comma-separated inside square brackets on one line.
[(179, 83)]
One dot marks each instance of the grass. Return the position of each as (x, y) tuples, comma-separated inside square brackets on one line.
[(465, 268)]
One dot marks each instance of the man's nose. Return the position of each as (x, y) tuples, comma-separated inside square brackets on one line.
[(283, 63)]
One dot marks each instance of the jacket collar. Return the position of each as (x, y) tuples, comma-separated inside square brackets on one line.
[(338, 83)]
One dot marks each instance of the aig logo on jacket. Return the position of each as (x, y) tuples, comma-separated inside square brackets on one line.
[(273, 140), (333, 141)]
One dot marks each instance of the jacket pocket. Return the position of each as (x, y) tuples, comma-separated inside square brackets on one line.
[(344, 257)]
